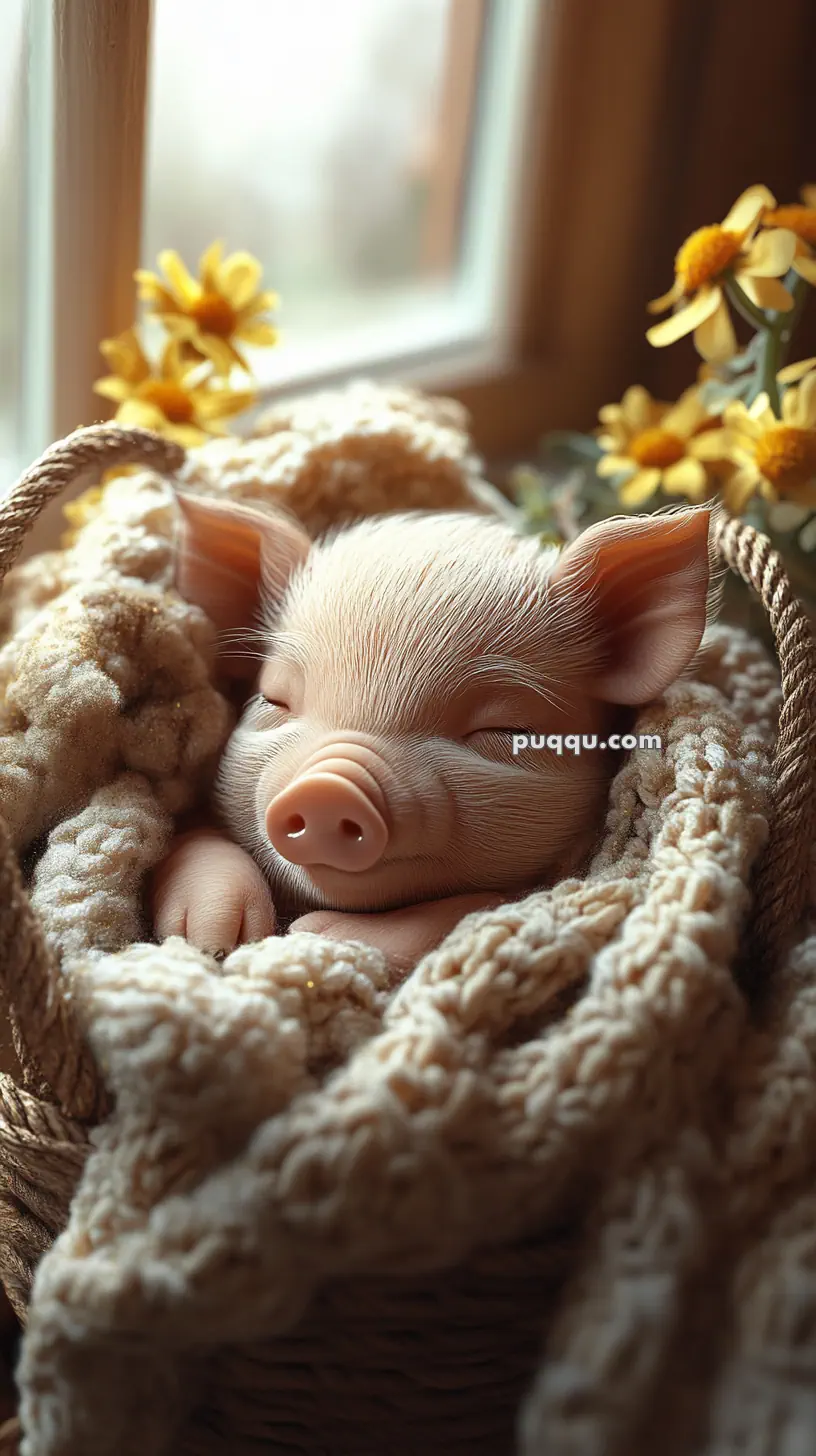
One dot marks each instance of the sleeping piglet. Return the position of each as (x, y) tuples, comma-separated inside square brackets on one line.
[(372, 789)]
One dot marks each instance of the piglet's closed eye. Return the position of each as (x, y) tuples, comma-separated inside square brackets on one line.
[(638, 588), (226, 554)]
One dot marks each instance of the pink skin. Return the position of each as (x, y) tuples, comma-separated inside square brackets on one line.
[(370, 790)]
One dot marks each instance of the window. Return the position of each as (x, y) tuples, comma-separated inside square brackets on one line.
[(349, 147), (371, 153)]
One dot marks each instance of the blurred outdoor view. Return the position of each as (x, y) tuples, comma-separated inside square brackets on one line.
[(12, 54), (318, 136)]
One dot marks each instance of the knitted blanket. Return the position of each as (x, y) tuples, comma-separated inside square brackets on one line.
[(291, 1132)]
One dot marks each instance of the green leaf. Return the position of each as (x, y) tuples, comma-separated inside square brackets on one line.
[(715, 394), (571, 443)]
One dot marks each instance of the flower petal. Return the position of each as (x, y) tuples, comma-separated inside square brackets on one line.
[(760, 407), (637, 407), (190, 373), (687, 478), (180, 326), (793, 372), (239, 277), (187, 435), (684, 416), (808, 194), (765, 292), (182, 285), (610, 413), (666, 300), (790, 406), (714, 338), (639, 488), (260, 335), (126, 357), (806, 268), (219, 404), (701, 307), (150, 290), (113, 388), (747, 208), (219, 351), (208, 266), (770, 254), (713, 445), (609, 465), (141, 412), (739, 489), (807, 402), (262, 303)]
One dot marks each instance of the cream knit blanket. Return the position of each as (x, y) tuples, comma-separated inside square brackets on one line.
[(577, 1064)]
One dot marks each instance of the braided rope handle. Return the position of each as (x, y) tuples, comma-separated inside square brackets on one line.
[(782, 882), (56, 1064), (55, 1060)]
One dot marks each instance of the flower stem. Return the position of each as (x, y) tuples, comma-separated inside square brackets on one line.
[(771, 364), (744, 306), (799, 287), (775, 338)]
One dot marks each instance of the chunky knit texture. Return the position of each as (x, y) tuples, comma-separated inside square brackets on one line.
[(552, 1194)]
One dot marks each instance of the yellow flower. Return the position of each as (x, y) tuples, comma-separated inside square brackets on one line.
[(757, 263), (799, 218), (770, 457), (176, 401), (209, 313), (654, 445)]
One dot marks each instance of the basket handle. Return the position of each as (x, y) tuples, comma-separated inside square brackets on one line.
[(56, 1064), (782, 880)]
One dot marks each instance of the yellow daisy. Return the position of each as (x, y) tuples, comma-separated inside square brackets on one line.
[(771, 457), (209, 313), (654, 446), (799, 218), (177, 401), (757, 261)]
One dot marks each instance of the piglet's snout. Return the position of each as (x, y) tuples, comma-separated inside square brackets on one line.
[(331, 814)]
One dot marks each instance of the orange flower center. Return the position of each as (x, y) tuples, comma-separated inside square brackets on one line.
[(214, 315), (173, 401), (704, 255), (657, 449), (787, 456), (800, 220)]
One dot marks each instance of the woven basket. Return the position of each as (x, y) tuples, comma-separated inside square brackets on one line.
[(432, 1364)]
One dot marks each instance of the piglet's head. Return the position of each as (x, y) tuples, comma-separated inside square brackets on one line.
[(374, 764)]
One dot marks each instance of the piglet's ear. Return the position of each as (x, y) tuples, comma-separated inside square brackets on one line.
[(228, 556), (639, 587)]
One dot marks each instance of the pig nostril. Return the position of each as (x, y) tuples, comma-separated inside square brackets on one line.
[(295, 826), (350, 829)]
